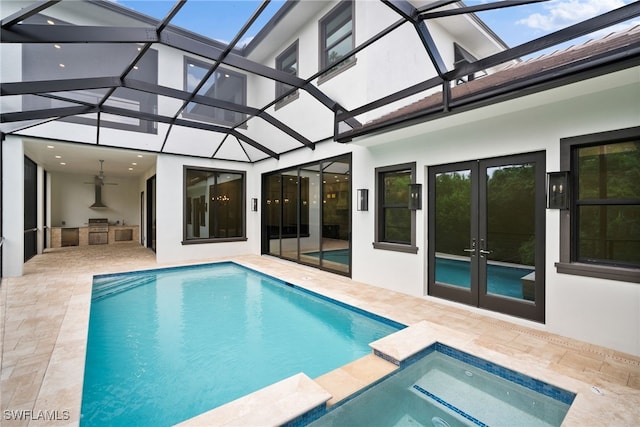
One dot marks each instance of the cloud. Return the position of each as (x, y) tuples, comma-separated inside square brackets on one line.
[(562, 13)]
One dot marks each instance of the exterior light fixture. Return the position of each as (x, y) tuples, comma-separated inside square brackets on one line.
[(363, 199), (558, 191), (254, 204), (415, 196)]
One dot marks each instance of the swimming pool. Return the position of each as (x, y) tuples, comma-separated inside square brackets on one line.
[(443, 386), (165, 345), (501, 279)]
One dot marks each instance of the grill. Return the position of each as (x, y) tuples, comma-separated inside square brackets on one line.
[(98, 231)]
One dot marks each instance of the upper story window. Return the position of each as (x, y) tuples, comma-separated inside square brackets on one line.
[(67, 61), (287, 61), (395, 222), (602, 232), (222, 85), (214, 205), (337, 36)]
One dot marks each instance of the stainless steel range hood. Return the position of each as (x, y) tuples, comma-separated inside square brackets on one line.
[(98, 197)]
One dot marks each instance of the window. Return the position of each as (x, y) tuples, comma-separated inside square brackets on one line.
[(336, 37), (600, 236), (214, 205), (287, 61), (67, 61), (223, 85), (395, 222)]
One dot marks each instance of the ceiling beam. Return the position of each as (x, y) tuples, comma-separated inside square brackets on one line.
[(34, 33), (47, 113), (62, 85)]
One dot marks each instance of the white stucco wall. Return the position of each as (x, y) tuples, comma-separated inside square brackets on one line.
[(169, 213), (601, 311), (12, 206)]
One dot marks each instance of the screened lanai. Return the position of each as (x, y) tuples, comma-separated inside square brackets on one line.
[(124, 66)]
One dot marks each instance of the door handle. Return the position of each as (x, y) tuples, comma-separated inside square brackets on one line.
[(472, 249), (483, 252)]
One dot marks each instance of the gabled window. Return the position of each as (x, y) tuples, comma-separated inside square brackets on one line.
[(287, 61), (600, 235), (223, 85), (214, 207), (337, 36), (395, 222)]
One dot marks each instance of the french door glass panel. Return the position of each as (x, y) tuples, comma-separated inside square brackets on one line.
[(487, 234), (310, 206), (273, 213), (453, 228)]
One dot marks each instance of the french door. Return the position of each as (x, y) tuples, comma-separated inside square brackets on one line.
[(486, 234)]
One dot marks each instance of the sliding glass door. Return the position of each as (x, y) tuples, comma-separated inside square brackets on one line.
[(307, 216), (486, 234)]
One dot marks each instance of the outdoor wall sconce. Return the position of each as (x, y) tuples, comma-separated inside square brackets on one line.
[(415, 196), (558, 190), (254, 204), (363, 199)]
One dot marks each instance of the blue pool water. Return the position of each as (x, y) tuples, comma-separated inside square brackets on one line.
[(340, 256), (501, 280), (444, 387), (166, 345)]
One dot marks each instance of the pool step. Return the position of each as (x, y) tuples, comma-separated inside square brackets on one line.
[(113, 285)]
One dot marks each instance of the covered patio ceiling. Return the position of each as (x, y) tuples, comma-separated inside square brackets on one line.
[(132, 38)]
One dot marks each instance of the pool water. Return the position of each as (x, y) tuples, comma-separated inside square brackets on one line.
[(501, 280), (447, 387), (166, 345), (340, 256)]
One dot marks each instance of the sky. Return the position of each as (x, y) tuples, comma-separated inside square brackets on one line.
[(222, 19)]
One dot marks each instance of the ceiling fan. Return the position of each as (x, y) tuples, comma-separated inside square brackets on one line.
[(99, 178)]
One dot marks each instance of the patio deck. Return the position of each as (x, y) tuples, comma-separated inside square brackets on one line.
[(44, 319)]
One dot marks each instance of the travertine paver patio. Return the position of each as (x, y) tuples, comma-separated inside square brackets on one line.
[(44, 319)]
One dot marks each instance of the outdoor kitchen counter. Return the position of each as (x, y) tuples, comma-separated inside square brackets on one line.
[(117, 234)]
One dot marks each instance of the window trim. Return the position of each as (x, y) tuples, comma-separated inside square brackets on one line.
[(567, 265), (322, 47), (280, 87), (195, 116), (379, 214), (185, 208)]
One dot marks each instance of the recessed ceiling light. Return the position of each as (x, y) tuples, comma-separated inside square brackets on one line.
[(140, 156), (61, 65), (50, 22), (135, 67), (50, 146), (58, 157), (57, 46), (130, 169), (62, 163), (134, 164)]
